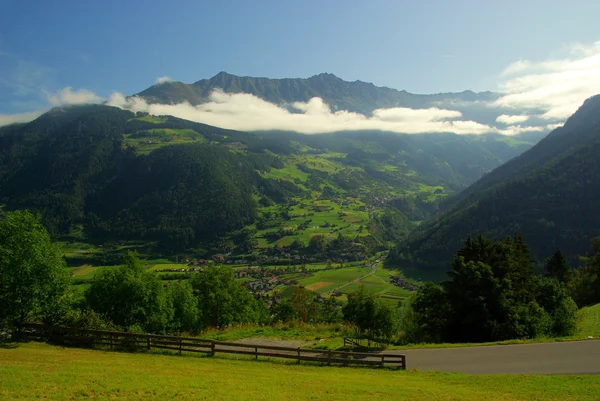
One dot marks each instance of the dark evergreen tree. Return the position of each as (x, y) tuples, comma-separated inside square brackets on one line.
[(558, 267)]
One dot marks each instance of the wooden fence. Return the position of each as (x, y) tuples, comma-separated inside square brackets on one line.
[(133, 342), (362, 343)]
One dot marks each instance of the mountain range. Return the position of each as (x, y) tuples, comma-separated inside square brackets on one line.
[(360, 97)]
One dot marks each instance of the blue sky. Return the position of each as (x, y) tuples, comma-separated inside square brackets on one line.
[(423, 47)]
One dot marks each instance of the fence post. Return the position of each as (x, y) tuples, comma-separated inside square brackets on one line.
[(298, 354), (403, 364), (180, 345), (149, 345), (212, 348), (256, 353), (382, 360)]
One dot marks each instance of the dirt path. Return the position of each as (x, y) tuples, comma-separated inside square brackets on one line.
[(542, 358)]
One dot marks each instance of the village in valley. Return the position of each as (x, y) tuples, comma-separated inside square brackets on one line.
[(267, 274)]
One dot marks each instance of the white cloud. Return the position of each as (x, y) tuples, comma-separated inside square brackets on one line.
[(69, 96), (509, 120), (558, 87), (246, 112), (6, 119), (517, 129), (162, 80), (65, 96), (516, 67)]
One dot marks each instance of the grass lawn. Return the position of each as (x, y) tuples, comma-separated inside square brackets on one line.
[(589, 322), (34, 371)]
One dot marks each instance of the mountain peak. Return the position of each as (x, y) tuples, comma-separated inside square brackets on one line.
[(326, 76), (222, 74)]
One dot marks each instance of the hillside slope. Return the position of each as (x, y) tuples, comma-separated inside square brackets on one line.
[(549, 194), (124, 176), (76, 167)]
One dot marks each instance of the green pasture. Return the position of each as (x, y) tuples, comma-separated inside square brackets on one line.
[(40, 371), (152, 119), (159, 137), (327, 280)]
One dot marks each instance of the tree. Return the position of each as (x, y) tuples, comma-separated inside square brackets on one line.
[(318, 243), (301, 302), (492, 294), (372, 318), (586, 281), (297, 245), (331, 311), (222, 300), (558, 267), (426, 317), (186, 314), (284, 311), (129, 296), (34, 280), (472, 293), (554, 298)]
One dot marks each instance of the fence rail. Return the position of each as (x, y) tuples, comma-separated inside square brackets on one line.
[(362, 343), (132, 341)]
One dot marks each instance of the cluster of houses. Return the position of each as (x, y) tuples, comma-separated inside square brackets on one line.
[(235, 145), (399, 282), (178, 270), (264, 279), (262, 286)]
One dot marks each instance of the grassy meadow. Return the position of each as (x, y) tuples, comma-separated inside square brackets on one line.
[(589, 322), (40, 371)]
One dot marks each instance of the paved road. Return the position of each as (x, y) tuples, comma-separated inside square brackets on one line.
[(543, 358)]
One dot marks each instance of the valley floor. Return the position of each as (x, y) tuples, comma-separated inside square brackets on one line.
[(33, 371)]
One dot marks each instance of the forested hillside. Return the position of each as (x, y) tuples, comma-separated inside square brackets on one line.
[(549, 194), (109, 174), (74, 166)]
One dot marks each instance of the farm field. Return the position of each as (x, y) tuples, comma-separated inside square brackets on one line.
[(328, 280), (33, 371), (313, 217), (323, 282)]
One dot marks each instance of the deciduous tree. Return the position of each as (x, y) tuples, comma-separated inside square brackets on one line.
[(34, 280)]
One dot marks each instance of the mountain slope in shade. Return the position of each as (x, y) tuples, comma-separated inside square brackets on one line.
[(550, 194)]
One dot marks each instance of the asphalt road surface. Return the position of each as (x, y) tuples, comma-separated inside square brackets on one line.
[(541, 358)]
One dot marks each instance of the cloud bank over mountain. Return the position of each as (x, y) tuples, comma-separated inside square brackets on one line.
[(535, 96), (247, 112)]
